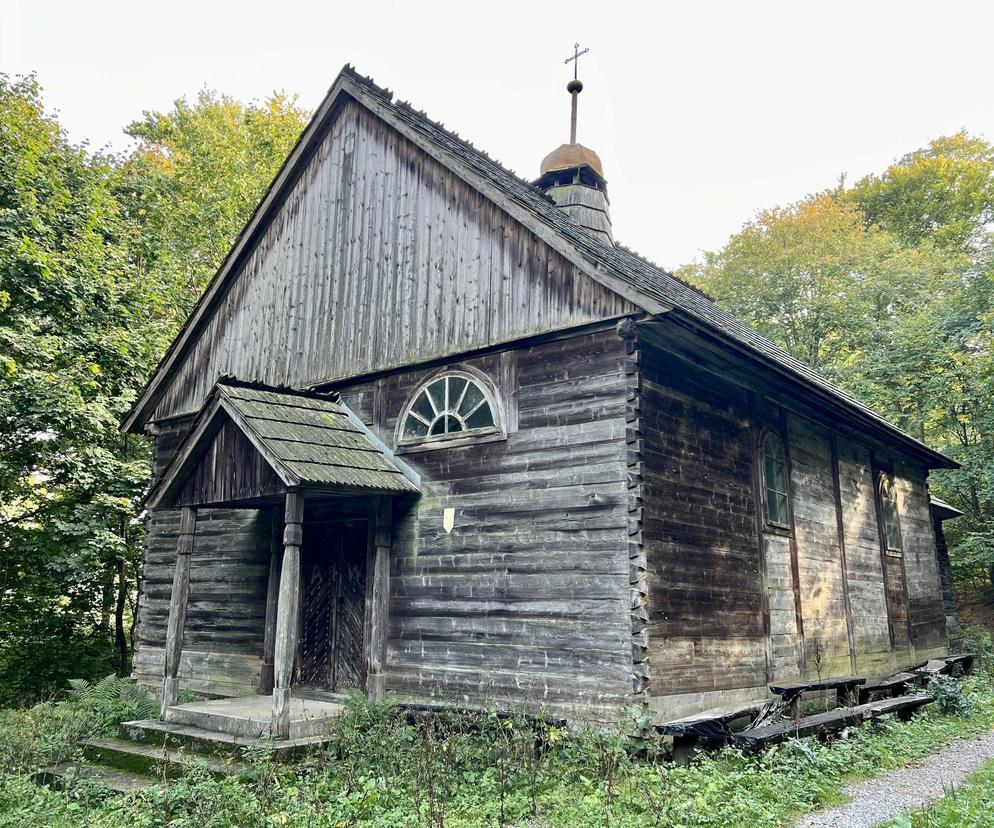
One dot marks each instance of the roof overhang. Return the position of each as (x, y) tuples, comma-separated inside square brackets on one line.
[(942, 510), (308, 441)]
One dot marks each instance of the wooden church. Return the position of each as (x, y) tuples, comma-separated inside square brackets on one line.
[(430, 431)]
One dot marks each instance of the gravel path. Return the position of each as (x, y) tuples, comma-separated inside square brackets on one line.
[(897, 791)]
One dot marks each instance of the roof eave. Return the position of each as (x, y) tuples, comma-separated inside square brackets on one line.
[(142, 408)]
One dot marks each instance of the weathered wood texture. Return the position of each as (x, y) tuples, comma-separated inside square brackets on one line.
[(921, 566), (706, 578), (867, 593), (528, 598), (945, 575), (819, 554), (333, 605), (178, 597), (374, 229), (230, 469), (287, 614), (706, 628), (377, 619), (229, 568)]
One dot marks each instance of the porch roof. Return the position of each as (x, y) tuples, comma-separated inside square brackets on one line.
[(307, 440)]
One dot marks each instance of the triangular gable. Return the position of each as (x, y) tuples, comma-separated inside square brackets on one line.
[(526, 269), (249, 445)]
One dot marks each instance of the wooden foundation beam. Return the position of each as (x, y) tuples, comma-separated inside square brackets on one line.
[(287, 614), (178, 600)]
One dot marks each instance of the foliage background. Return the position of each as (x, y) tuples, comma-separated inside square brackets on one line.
[(101, 258)]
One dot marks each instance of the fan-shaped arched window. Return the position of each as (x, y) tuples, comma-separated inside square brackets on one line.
[(775, 481), (888, 510), (453, 405)]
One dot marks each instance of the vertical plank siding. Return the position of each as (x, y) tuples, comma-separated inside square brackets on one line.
[(706, 629), (867, 593), (712, 579), (921, 565), (375, 230), (819, 554)]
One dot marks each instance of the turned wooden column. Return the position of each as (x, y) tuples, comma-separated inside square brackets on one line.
[(377, 595), (178, 600), (287, 612), (272, 597)]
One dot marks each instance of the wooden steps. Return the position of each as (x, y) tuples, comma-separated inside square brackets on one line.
[(832, 721), (845, 687), (155, 762), (201, 740), (827, 722), (709, 728), (890, 685), (113, 779), (859, 700)]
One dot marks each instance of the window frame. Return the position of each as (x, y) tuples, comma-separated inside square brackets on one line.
[(452, 439), (886, 479), (770, 525)]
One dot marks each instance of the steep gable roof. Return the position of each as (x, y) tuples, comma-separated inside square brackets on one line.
[(308, 440), (622, 271)]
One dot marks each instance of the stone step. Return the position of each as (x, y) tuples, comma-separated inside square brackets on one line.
[(113, 779), (155, 761), (171, 735), (252, 716)]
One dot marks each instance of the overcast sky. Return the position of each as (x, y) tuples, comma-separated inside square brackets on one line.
[(703, 113)]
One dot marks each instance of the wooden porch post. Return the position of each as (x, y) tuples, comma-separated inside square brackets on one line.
[(177, 609), (378, 599), (287, 612), (272, 597)]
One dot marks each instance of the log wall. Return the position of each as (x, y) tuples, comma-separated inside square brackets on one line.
[(706, 595), (223, 640), (527, 600)]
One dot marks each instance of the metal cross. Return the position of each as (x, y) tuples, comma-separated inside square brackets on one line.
[(576, 57)]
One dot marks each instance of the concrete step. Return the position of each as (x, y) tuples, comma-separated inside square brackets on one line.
[(155, 761), (111, 778), (171, 735), (251, 716)]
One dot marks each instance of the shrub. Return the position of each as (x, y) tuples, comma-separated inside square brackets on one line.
[(949, 695), (979, 641)]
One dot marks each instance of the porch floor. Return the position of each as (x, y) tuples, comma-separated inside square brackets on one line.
[(251, 716)]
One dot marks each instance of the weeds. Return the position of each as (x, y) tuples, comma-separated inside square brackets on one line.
[(387, 766)]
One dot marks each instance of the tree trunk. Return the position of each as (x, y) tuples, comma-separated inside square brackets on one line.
[(120, 638)]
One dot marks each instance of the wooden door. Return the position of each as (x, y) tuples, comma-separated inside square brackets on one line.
[(333, 602)]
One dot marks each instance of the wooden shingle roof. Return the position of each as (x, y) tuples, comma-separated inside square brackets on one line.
[(310, 440), (649, 287)]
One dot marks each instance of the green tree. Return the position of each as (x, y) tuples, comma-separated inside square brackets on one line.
[(886, 288), (192, 182), (100, 260), (70, 349)]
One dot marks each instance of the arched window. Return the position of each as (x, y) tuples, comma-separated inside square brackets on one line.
[(450, 406), (888, 510), (775, 480)]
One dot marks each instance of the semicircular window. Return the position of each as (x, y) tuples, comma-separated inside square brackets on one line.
[(450, 406)]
